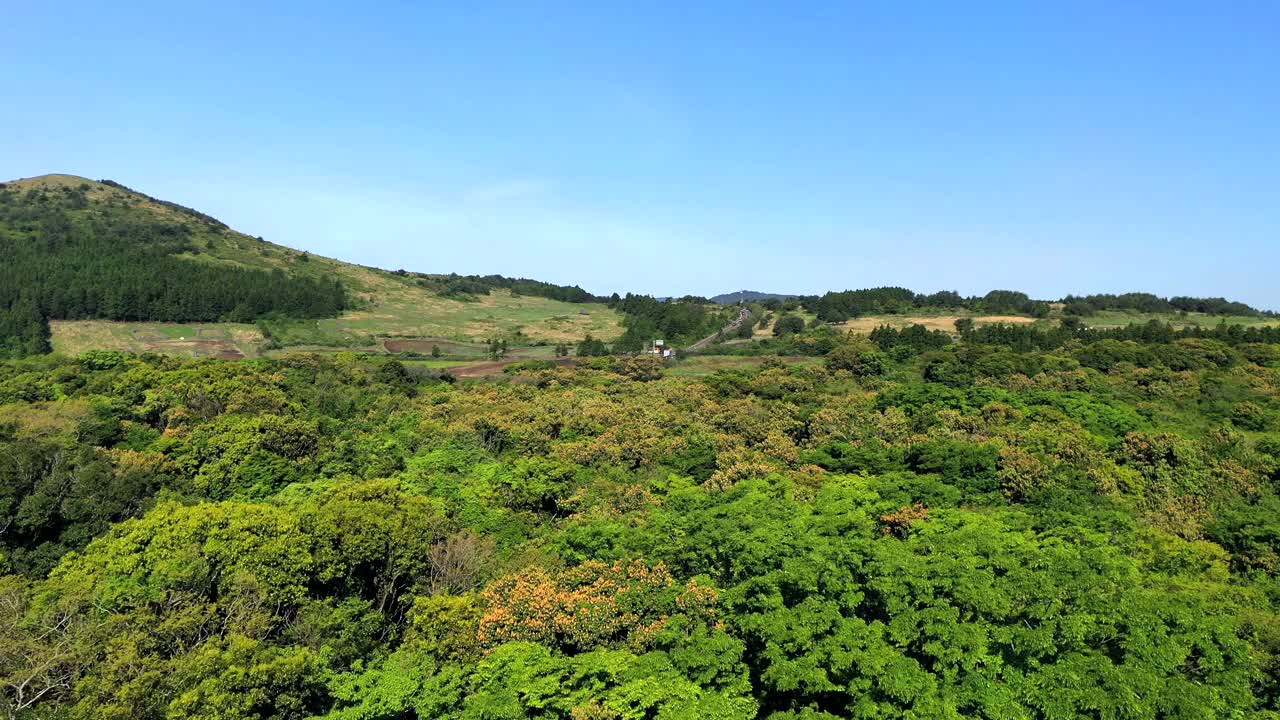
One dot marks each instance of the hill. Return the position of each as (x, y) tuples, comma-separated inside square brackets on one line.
[(76, 249), (734, 298), (83, 252)]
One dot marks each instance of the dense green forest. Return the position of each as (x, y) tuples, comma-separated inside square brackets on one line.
[(68, 258), (677, 321), (1010, 523), (841, 306), (1148, 303), (1131, 342), (458, 286)]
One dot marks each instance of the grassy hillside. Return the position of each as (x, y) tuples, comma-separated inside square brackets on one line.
[(229, 341), (382, 305)]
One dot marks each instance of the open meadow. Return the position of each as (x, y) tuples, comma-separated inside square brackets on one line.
[(411, 313), (1120, 318), (230, 341)]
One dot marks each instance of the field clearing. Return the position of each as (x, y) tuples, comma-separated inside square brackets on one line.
[(230, 341), (946, 323), (704, 365), (446, 347), (1119, 318), (410, 313)]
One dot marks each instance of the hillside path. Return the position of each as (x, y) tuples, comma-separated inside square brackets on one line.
[(725, 331)]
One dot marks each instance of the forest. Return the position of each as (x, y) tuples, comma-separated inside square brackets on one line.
[(677, 321), (1001, 523), (69, 259), (841, 306)]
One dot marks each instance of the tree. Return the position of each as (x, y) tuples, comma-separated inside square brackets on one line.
[(592, 347), (857, 359), (39, 655), (642, 368), (496, 349), (788, 325)]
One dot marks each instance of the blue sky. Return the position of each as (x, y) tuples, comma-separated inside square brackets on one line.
[(688, 147)]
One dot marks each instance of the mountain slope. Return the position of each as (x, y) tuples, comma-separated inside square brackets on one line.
[(82, 250), (211, 240), (89, 251)]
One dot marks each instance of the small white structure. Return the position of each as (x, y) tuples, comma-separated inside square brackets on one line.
[(660, 349)]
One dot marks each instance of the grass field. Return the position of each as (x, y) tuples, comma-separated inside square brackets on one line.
[(411, 313), (388, 305), (946, 322), (1120, 319), (447, 348), (222, 340), (942, 321)]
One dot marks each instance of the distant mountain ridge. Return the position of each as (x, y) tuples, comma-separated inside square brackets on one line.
[(749, 296)]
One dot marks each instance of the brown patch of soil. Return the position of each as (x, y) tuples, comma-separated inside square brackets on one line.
[(495, 367)]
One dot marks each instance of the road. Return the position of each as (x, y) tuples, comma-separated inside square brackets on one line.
[(726, 331)]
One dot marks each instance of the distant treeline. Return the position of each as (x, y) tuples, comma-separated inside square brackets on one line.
[(1027, 337), (825, 339), (1148, 303), (841, 306), (64, 262), (847, 304), (466, 286)]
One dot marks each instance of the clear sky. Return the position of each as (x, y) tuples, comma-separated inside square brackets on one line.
[(688, 147)]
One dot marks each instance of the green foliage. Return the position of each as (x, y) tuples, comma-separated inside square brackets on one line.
[(1148, 303), (908, 530), (840, 306), (642, 368), (788, 325), (527, 366), (468, 286), (916, 336), (677, 322), (858, 361), (592, 347)]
